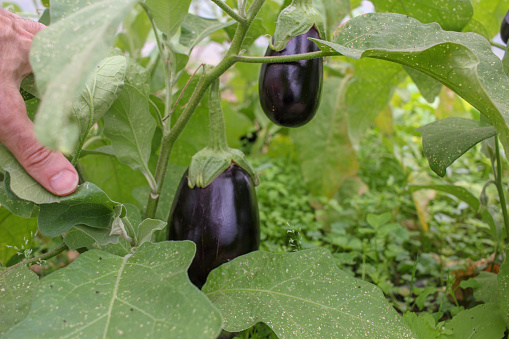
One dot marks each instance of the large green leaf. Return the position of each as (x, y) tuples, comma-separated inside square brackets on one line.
[(102, 89), (423, 325), (368, 92), (62, 8), (480, 322), (464, 62), (22, 184), (326, 154), (88, 205), (16, 234), (334, 11), (21, 208), (147, 294), (428, 86), (82, 236), (16, 289), (301, 295), (130, 127), (195, 29), (168, 14), (452, 15), (62, 58), (117, 180), (488, 287), (488, 15), (446, 140), (503, 289)]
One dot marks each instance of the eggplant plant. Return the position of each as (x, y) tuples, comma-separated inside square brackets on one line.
[(133, 122)]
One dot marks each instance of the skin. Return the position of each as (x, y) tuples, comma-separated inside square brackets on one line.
[(51, 169)]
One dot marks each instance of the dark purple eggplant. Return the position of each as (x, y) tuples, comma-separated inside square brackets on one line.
[(504, 28), (222, 219), (290, 92)]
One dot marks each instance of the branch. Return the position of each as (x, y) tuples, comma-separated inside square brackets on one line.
[(228, 10), (494, 44), (284, 58), (44, 256)]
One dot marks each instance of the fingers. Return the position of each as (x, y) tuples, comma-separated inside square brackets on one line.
[(51, 169), (16, 36), (32, 27)]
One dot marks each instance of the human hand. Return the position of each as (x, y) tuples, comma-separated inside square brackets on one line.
[(51, 169)]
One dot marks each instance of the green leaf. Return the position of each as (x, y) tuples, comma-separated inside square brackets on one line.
[(487, 291), (147, 228), (465, 195), (20, 183), (62, 58), (130, 127), (446, 140), (423, 325), (147, 294), (62, 8), (16, 289), (482, 321), (132, 219), (117, 180), (16, 234), (21, 208), (195, 29), (82, 236), (88, 205), (168, 14), (464, 62), (325, 152), (137, 28), (377, 220), (334, 11), (505, 62), (488, 15), (452, 15), (429, 87), (367, 93), (301, 295), (102, 89), (503, 290), (236, 124)]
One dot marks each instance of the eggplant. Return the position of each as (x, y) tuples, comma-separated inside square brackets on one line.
[(504, 28), (290, 92), (221, 219)]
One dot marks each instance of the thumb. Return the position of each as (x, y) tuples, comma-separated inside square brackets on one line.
[(51, 169)]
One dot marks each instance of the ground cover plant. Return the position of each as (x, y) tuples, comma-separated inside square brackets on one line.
[(364, 232)]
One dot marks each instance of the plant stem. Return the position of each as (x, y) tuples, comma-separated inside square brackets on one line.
[(44, 256), (494, 44), (228, 10), (500, 187), (171, 135), (284, 58), (217, 133)]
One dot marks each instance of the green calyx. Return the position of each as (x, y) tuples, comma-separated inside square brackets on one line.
[(210, 162), (295, 20)]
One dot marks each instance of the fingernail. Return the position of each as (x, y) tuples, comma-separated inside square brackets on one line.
[(64, 182)]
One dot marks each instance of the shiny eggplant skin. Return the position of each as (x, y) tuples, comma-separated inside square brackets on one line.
[(222, 219), (290, 92), (504, 28)]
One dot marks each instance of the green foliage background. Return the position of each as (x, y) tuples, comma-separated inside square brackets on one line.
[(356, 227)]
